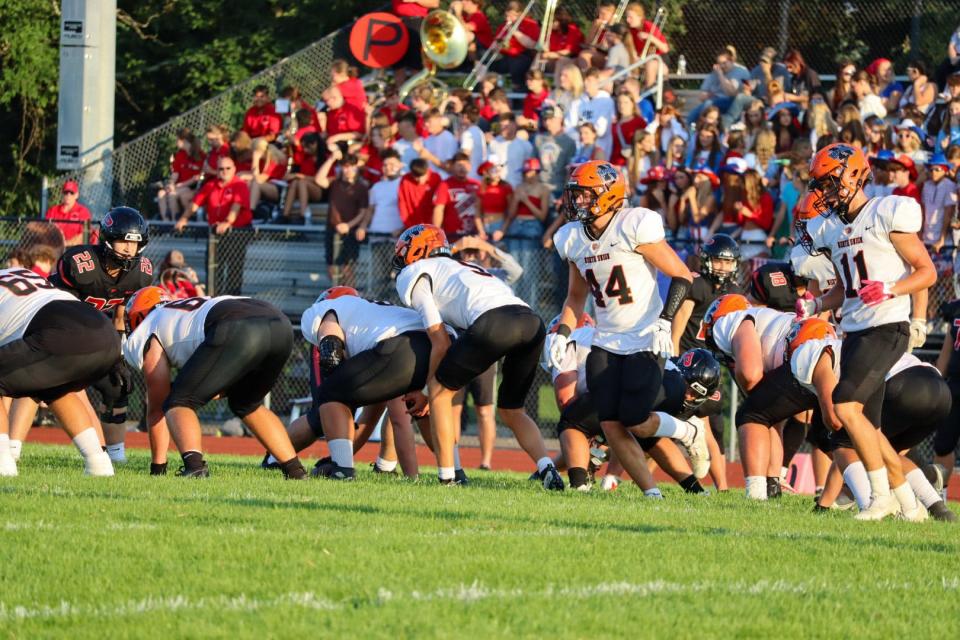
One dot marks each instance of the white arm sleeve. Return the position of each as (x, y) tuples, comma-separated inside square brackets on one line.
[(422, 300)]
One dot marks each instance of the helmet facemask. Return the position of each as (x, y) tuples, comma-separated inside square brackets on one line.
[(580, 204)]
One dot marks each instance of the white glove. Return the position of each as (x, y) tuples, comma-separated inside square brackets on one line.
[(557, 348), (663, 338), (918, 333)]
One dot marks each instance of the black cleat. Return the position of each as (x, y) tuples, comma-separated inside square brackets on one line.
[(550, 478), (376, 469), (773, 488), (940, 511), (158, 468), (266, 464), (461, 477), (449, 482), (325, 468), (199, 472), (534, 477)]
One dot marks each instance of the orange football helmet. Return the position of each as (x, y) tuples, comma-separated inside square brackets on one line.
[(419, 242), (594, 189), (337, 292), (143, 302), (809, 329), (837, 173), (720, 307)]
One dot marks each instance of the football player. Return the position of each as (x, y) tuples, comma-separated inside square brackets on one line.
[(103, 276), (880, 261), (916, 399), (750, 341), (719, 269), (51, 346), (614, 254), (223, 347), (494, 324)]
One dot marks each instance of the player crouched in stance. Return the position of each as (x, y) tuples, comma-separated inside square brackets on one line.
[(225, 346), (492, 324), (880, 261), (614, 254), (52, 345)]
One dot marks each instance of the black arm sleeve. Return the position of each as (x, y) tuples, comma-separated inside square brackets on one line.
[(676, 294)]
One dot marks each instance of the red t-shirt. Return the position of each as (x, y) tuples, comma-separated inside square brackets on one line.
[(347, 119), (647, 27), (308, 165), (761, 215), (262, 122), (217, 199), (571, 39), (487, 112), (532, 103), (353, 93), (495, 197), (214, 157), (409, 9), (459, 198), (482, 30), (393, 112), (529, 28), (186, 167), (373, 166), (625, 131), (415, 200), (298, 152), (77, 212), (911, 191), (274, 170)]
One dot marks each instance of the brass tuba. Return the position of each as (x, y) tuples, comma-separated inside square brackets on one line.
[(444, 46)]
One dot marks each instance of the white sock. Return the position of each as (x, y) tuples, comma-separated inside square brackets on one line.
[(117, 452), (924, 491), (783, 473), (879, 482), (906, 498), (4, 442), (855, 475), (16, 448), (543, 463), (446, 473), (88, 443), (653, 493), (757, 487), (670, 427), (341, 451), (456, 457), (386, 465)]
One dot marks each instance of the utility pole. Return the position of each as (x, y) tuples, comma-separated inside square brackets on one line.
[(88, 42)]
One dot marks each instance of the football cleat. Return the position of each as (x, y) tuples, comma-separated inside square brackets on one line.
[(449, 482), (880, 507), (269, 462), (325, 468), (200, 472), (940, 511), (375, 469), (585, 488), (550, 478), (610, 482), (915, 515), (774, 490), (98, 466), (461, 477), (8, 466), (697, 449), (843, 503)]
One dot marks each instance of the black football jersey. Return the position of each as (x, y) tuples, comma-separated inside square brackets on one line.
[(80, 271), (772, 284), (703, 292), (950, 311)]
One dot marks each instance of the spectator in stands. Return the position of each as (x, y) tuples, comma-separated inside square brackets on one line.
[(676, 155), (724, 87), (452, 109), (950, 64), (537, 93), (216, 137), (566, 40), (820, 121), (681, 203), (628, 122), (499, 103), (524, 226), (408, 143), (302, 187), (370, 151), (69, 208), (261, 119), (588, 149), (495, 194), (643, 156), (793, 189), (416, 192), (440, 145), (878, 136), (349, 199), (668, 126), (512, 149), (707, 149), (731, 192), (456, 204), (656, 196), (939, 200), (778, 95), (383, 221), (475, 21), (517, 54), (765, 152), (921, 92), (241, 150), (848, 112), (344, 77), (706, 183), (766, 71), (754, 215), (804, 81), (269, 173), (910, 141), (599, 109), (590, 56), (949, 132), (291, 94), (887, 86), (570, 97), (843, 88), (489, 84), (344, 122), (644, 33), (472, 140), (953, 157), (870, 104), (853, 133), (753, 123), (226, 202), (785, 126), (392, 107), (618, 56), (903, 170), (880, 184), (709, 117), (175, 194), (554, 148)]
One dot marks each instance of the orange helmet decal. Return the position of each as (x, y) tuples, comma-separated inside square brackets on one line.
[(600, 180), (338, 292), (837, 173), (419, 242), (143, 302), (722, 306), (806, 330)]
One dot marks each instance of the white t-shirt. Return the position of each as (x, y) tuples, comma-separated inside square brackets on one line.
[(601, 111), (22, 294), (407, 153), (443, 145), (177, 325), (473, 143), (364, 323), (862, 251), (623, 283), (575, 359), (384, 198), (462, 291), (936, 197), (771, 325), (513, 153)]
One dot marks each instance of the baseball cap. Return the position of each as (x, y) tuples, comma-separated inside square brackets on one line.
[(70, 187), (531, 164)]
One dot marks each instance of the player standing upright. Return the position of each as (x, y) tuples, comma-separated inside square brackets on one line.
[(614, 253), (880, 261)]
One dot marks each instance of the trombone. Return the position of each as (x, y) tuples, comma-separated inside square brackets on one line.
[(614, 19), (492, 54), (546, 28), (659, 21)]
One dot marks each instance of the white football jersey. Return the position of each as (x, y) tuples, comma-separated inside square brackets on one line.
[(578, 348), (862, 251), (623, 283), (22, 294), (364, 323), (816, 267), (772, 326), (804, 360), (177, 325), (463, 291)]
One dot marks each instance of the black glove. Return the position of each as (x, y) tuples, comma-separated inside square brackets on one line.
[(121, 378)]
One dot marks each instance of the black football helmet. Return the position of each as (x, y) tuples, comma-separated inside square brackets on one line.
[(719, 247), (123, 223), (701, 371)]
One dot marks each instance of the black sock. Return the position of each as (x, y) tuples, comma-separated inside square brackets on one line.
[(690, 484), (193, 460), (773, 488), (293, 469), (578, 477), (158, 468)]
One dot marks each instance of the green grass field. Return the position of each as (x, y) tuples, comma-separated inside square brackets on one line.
[(246, 554)]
